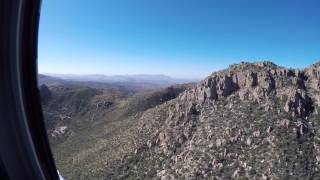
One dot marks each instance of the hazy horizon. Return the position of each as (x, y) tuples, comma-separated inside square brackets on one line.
[(141, 74), (112, 75), (181, 39)]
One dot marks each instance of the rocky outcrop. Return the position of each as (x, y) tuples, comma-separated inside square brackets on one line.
[(312, 76), (298, 103), (259, 82), (313, 71), (59, 131)]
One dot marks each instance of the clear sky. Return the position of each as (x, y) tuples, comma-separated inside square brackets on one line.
[(180, 38)]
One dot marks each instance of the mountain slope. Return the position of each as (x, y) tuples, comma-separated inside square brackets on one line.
[(250, 121), (84, 123)]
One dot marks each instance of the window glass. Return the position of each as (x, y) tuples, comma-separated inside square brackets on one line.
[(173, 89)]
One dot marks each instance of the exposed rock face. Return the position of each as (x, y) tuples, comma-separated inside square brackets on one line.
[(257, 81), (313, 71), (298, 103), (312, 76)]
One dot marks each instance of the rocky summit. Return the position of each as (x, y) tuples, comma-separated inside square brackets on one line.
[(249, 121)]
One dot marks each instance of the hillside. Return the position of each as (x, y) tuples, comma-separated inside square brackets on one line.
[(249, 121), (83, 122)]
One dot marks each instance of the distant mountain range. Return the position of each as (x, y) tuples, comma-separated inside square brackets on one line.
[(130, 82), (150, 78)]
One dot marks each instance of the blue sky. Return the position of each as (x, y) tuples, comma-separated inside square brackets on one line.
[(180, 38)]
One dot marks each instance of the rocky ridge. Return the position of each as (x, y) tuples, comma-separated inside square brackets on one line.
[(258, 82)]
